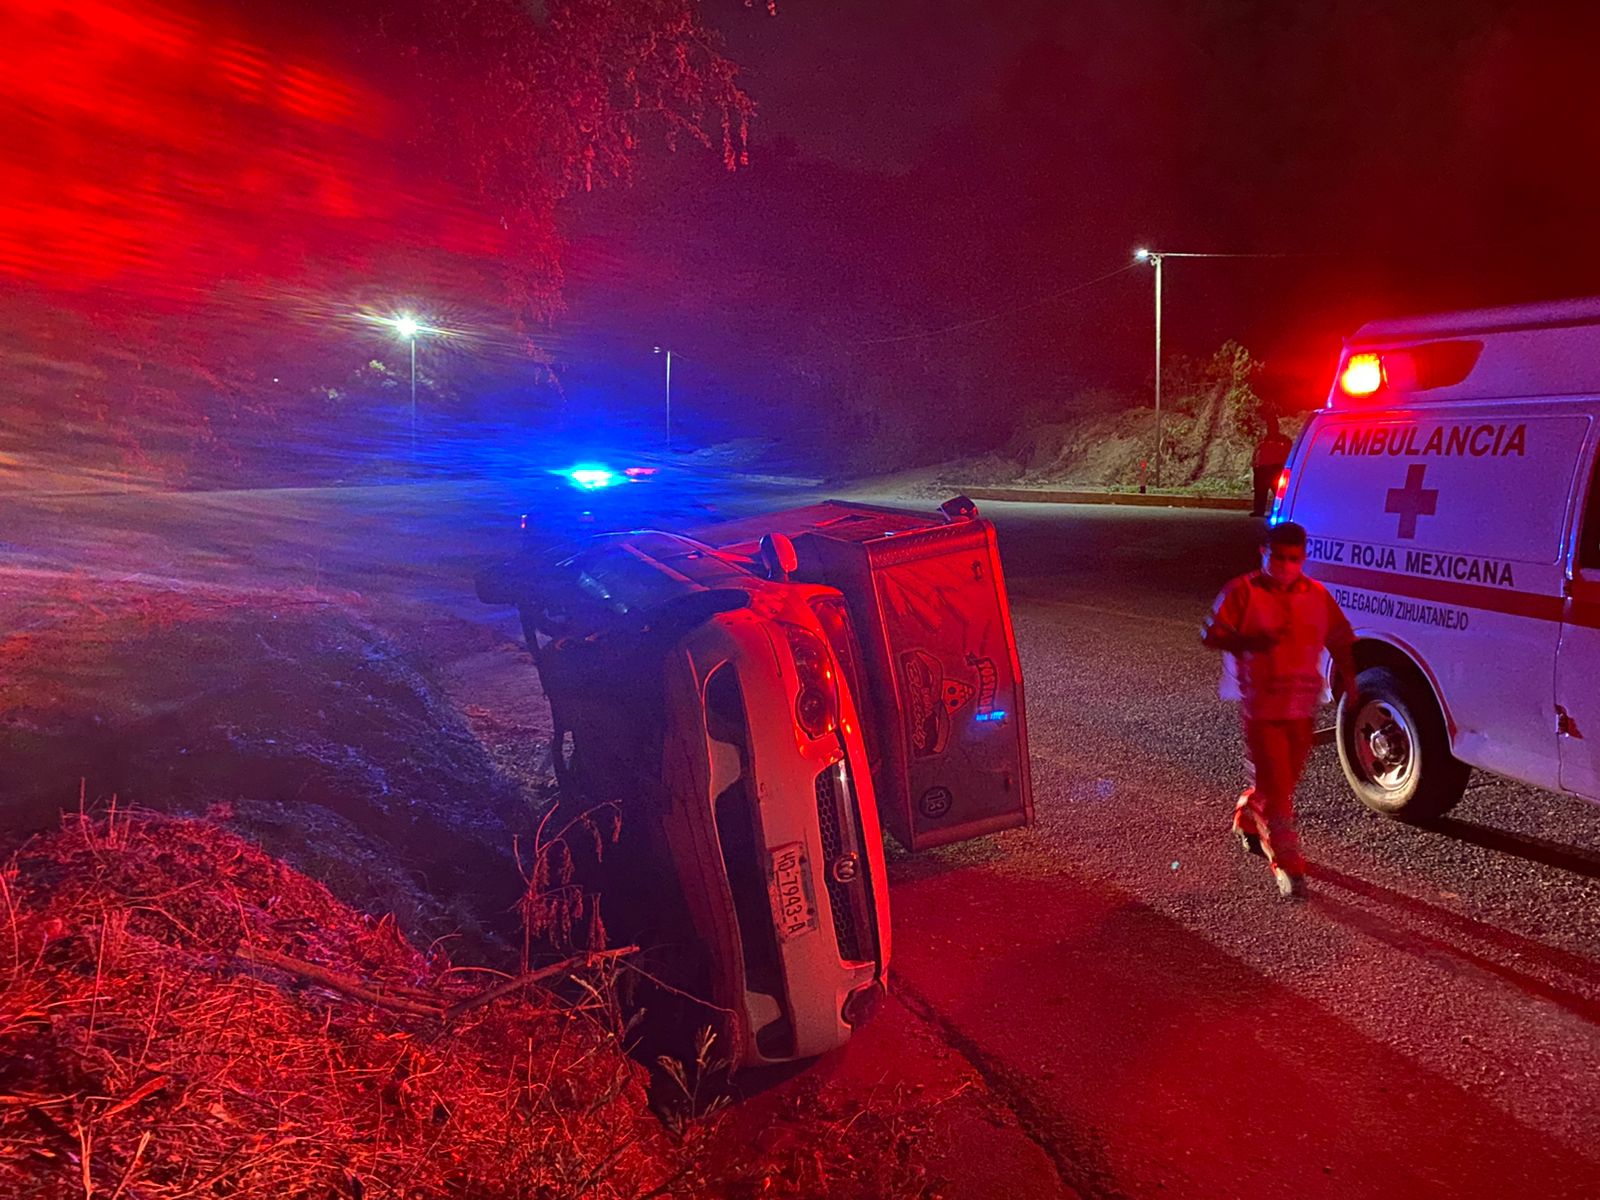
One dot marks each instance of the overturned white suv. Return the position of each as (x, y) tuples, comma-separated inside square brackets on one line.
[(712, 703), (750, 700)]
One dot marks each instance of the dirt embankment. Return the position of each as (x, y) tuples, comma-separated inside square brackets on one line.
[(279, 984), (1212, 421), (290, 719)]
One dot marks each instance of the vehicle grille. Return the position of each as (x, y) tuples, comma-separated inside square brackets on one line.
[(849, 901)]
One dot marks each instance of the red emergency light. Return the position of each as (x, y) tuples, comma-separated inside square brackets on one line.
[(1410, 369), (1363, 375)]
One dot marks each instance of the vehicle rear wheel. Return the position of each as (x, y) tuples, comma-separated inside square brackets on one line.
[(1395, 749)]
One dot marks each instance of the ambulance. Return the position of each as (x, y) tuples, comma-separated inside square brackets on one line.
[(1451, 497)]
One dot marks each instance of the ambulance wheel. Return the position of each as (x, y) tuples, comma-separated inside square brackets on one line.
[(1395, 749)]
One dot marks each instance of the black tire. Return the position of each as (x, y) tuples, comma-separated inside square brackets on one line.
[(1395, 749)]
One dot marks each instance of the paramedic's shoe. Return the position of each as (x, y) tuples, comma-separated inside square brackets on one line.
[(1245, 827), (1289, 886)]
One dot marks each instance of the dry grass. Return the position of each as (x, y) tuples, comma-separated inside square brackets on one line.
[(294, 720), (151, 1044), (183, 1014), (819, 1141)]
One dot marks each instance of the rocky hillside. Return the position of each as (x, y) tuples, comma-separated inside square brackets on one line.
[(1212, 420)]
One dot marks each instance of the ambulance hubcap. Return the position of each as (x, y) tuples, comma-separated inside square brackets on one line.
[(1383, 744)]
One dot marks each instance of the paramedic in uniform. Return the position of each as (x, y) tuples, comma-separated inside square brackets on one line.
[(1272, 627)]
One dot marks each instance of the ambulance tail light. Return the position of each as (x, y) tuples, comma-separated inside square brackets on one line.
[(1279, 490), (1363, 375)]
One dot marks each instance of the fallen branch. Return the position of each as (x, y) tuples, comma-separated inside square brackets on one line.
[(521, 981), (347, 985)]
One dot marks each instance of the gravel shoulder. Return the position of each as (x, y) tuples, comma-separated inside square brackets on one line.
[(1425, 1024)]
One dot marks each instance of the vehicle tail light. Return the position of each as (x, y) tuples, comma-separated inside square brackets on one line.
[(834, 618), (816, 704), (1279, 490), (1363, 375)]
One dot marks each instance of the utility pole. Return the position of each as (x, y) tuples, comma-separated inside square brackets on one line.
[(1156, 260), (668, 353)]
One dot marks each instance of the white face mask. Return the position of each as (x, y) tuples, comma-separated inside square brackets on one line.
[(1286, 564)]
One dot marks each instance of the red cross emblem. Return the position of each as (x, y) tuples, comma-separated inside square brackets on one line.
[(1412, 501)]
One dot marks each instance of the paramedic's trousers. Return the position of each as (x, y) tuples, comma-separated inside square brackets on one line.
[(1265, 479), (1277, 752)]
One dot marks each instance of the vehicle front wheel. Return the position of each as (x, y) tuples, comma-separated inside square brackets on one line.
[(1395, 749)]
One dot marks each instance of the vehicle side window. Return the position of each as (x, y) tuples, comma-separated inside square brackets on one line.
[(1589, 532)]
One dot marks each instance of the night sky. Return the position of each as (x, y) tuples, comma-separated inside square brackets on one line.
[(1401, 155), (940, 201)]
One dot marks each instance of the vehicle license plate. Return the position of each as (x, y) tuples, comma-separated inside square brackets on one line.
[(794, 910)]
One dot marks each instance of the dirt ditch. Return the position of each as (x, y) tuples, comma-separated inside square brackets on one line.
[(320, 807)]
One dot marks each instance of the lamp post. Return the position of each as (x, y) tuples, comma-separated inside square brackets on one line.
[(1154, 258), (410, 328), (668, 353), (406, 326)]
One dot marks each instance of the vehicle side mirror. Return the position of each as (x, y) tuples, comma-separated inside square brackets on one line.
[(958, 508)]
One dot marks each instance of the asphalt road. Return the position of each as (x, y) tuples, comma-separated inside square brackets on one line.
[(1425, 1024), (1131, 988)]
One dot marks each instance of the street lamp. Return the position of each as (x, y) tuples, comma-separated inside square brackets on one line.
[(668, 353), (408, 327), (1154, 257), (1143, 255)]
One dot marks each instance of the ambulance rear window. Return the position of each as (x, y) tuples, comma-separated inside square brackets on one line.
[(1589, 543), (1430, 365)]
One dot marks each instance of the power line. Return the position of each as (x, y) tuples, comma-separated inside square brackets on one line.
[(1261, 254), (999, 316), (555, 341)]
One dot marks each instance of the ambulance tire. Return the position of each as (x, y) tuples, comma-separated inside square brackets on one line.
[(1425, 779)]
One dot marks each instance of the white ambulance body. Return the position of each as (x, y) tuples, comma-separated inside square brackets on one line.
[(1450, 493)]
